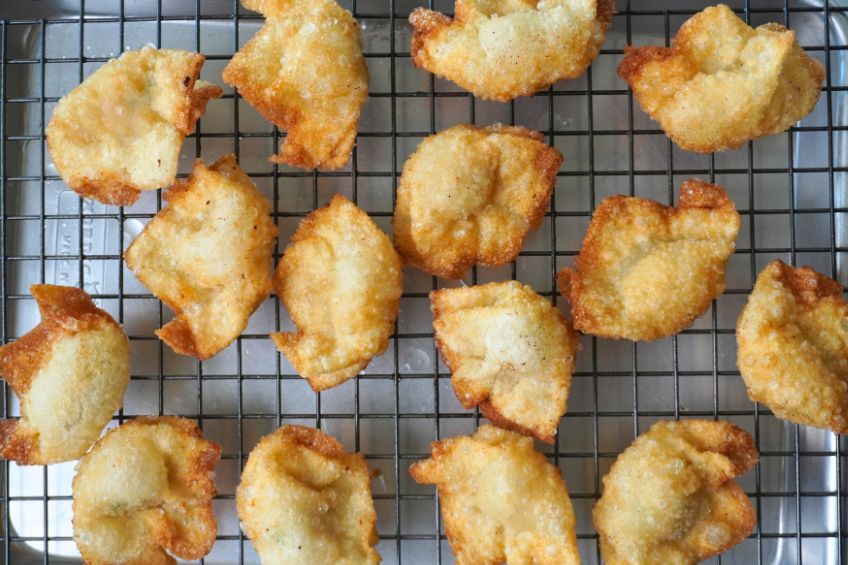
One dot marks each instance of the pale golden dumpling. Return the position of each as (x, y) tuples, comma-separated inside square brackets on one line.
[(341, 281), (145, 490), (723, 83), (303, 501), (70, 373), (304, 71), (670, 497), (471, 195), (511, 353), (121, 131), (793, 346), (645, 270), (501, 500), (208, 256), (501, 49)]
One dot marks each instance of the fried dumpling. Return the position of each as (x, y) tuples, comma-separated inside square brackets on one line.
[(303, 500), (511, 353), (501, 500), (452, 213), (121, 131), (501, 49), (208, 256), (670, 496), (793, 346), (304, 71), (723, 83), (340, 280), (145, 490), (645, 270), (70, 372)]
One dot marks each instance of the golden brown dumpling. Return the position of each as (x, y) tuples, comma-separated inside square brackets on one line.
[(793, 346), (70, 373), (723, 83), (645, 270), (121, 131)]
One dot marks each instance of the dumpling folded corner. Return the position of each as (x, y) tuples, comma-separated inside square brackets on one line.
[(70, 372), (208, 256), (645, 270), (341, 281), (305, 72), (670, 496), (501, 500), (454, 213), (723, 83), (143, 494), (121, 131), (303, 499), (511, 353), (793, 346), (502, 49)]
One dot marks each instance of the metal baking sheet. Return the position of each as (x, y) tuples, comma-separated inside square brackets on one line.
[(790, 189)]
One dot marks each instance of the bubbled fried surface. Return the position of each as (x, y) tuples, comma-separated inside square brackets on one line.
[(207, 255), (145, 490), (793, 346), (723, 83), (303, 500), (511, 353), (452, 213), (670, 497), (70, 373), (645, 270), (122, 129), (340, 280), (304, 71), (501, 500), (501, 49)]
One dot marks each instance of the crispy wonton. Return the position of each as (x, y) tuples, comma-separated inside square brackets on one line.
[(501, 49), (645, 270), (670, 497), (121, 131), (341, 281), (723, 83), (207, 255), (793, 346), (302, 499), (305, 72), (452, 212), (70, 373), (511, 353), (502, 501), (146, 488)]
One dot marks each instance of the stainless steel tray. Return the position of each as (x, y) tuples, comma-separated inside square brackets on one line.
[(790, 188)]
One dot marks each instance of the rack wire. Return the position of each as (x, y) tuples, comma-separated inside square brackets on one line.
[(790, 189)]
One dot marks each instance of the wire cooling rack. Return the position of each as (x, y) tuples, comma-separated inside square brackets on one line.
[(790, 189)]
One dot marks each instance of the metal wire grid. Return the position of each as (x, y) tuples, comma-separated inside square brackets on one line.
[(601, 419)]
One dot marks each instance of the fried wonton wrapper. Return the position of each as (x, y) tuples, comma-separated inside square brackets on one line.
[(341, 281), (502, 501), (122, 129), (208, 256), (453, 212), (501, 49), (723, 83), (645, 270), (670, 497), (304, 71), (303, 500), (793, 346), (144, 488), (70, 373), (511, 353)]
